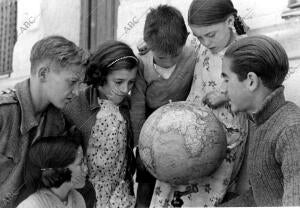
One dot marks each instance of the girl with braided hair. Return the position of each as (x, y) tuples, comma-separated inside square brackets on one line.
[(216, 25)]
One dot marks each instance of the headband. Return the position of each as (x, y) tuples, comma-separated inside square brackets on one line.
[(121, 58)]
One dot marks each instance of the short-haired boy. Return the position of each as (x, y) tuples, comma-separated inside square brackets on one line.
[(31, 110), (254, 69), (165, 74)]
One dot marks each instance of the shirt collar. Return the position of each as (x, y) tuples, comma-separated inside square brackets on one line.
[(28, 120), (270, 105)]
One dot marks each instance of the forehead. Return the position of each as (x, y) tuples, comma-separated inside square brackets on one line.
[(72, 71), (158, 53), (226, 66), (123, 74), (203, 30)]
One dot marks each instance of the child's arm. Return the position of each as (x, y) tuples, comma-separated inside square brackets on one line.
[(288, 155), (138, 104), (214, 99)]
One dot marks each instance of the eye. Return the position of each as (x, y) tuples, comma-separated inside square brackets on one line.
[(118, 82), (200, 39), (131, 83), (211, 35), (73, 82)]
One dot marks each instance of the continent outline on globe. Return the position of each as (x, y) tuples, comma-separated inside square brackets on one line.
[(188, 130)]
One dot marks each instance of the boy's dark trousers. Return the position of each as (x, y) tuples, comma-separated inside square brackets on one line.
[(146, 184)]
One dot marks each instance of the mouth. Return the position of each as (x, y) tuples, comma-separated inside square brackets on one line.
[(68, 100)]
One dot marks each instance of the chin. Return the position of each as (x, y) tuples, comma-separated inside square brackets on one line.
[(59, 106), (118, 101), (79, 185)]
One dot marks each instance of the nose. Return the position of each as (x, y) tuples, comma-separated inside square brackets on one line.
[(124, 88), (223, 88), (206, 42)]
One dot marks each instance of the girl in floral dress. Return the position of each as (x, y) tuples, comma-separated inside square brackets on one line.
[(101, 113), (216, 25)]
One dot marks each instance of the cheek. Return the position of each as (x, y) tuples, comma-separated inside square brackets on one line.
[(232, 91), (222, 38), (108, 86), (111, 84), (219, 41)]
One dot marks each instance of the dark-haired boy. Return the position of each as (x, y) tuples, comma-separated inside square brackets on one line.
[(165, 74), (31, 110), (254, 69)]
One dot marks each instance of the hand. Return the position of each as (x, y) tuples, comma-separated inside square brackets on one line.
[(115, 95), (214, 99), (142, 48)]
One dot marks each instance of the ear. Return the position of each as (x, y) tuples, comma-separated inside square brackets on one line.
[(252, 81), (230, 21), (43, 73)]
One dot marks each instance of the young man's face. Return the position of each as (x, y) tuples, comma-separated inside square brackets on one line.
[(118, 84), (164, 60), (237, 91), (62, 84), (78, 170), (214, 37)]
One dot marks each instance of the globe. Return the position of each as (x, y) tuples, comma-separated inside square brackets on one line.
[(181, 142)]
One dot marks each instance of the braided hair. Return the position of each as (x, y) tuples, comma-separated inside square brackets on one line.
[(208, 12)]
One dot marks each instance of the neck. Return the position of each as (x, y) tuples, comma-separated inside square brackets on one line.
[(259, 99), (37, 97), (61, 192)]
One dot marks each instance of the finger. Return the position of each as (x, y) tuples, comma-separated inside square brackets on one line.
[(115, 91)]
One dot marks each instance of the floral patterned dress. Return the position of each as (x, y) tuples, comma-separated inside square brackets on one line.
[(209, 191), (106, 158)]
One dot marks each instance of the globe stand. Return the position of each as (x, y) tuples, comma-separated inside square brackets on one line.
[(177, 201)]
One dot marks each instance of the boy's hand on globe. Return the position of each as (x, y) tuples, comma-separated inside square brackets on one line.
[(214, 99)]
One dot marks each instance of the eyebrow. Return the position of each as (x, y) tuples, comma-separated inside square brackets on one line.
[(209, 33)]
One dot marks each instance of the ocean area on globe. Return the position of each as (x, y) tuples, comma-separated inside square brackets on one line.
[(181, 142)]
